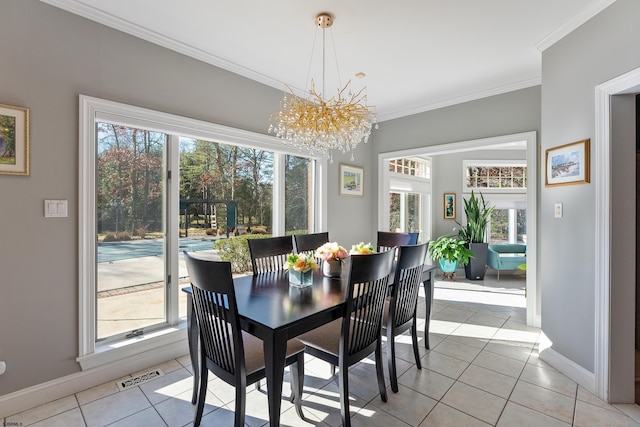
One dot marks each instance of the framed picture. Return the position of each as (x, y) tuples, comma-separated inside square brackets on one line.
[(449, 205), (351, 180), (567, 164), (14, 140)]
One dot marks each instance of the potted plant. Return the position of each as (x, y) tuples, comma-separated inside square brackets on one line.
[(474, 232), (449, 251)]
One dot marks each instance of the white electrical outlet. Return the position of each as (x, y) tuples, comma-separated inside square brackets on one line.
[(557, 210), (3, 367)]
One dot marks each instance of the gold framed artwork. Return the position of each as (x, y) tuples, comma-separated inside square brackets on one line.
[(449, 205), (567, 164), (14, 140), (351, 180)]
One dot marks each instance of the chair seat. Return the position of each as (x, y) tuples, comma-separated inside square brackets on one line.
[(325, 338), (254, 352)]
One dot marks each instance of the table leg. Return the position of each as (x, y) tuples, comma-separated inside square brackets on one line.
[(275, 352), (428, 302), (192, 339)]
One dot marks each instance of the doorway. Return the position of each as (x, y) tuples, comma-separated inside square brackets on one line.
[(615, 302), (530, 139)]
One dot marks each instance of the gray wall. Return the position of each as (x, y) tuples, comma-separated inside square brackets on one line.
[(601, 49), (447, 177), (49, 58)]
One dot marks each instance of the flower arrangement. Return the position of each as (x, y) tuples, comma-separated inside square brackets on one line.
[(331, 251), (362, 249), (303, 263)]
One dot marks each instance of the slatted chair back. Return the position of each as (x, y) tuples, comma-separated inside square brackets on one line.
[(269, 254), (308, 243), (388, 240), (406, 283), (367, 288), (214, 303), (400, 307)]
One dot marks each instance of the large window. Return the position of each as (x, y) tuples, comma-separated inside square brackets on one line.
[(153, 185)]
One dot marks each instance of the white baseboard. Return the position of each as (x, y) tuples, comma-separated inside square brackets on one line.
[(569, 368), (40, 394)]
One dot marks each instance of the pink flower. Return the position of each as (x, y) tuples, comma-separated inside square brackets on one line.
[(331, 250)]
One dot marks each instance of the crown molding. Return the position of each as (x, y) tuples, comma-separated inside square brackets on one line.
[(461, 99), (135, 30), (591, 11)]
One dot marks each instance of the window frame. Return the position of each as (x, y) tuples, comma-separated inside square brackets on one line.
[(466, 164), (92, 110)]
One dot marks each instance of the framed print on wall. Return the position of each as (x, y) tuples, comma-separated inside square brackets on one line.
[(449, 205), (14, 140), (567, 164), (351, 180)]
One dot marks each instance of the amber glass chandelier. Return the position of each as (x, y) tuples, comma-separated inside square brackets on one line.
[(322, 125)]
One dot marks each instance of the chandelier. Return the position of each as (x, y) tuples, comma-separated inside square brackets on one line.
[(322, 125)]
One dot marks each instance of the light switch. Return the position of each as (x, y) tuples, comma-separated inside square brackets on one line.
[(55, 209), (558, 210)]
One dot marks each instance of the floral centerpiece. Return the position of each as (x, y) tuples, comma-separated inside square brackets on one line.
[(331, 250), (362, 249), (301, 268), (332, 255)]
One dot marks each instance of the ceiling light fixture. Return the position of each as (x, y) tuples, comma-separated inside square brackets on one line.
[(323, 125)]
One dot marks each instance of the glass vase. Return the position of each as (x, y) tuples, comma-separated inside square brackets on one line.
[(300, 278)]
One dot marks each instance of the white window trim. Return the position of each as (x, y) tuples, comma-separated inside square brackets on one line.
[(491, 163), (91, 355)]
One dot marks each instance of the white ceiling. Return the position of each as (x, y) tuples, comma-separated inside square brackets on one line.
[(417, 55)]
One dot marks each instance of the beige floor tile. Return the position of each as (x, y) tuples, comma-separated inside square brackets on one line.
[(146, 417), (113, 408), (443, 364), (98, 392), (550, 379), (72, 418), (324, 405), (427, 382), (475, 402), (178, 410), (502, 364), (169, 385), (464, 338), (410, 410), (513, 349), (548, 402), (488, 380), (588, 397), (485, 319), (521, 416), (372, 416), (477, 331), (590, 415), (42, 412), (457, 350), (446, 416)]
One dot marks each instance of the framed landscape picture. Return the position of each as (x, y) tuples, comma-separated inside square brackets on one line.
[(351, 180), (449, 205), (567, 164), (14, 140)]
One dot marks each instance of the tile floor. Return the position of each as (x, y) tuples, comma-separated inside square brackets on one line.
[(482, 370)]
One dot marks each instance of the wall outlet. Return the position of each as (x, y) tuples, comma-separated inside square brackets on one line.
[(3, 367)]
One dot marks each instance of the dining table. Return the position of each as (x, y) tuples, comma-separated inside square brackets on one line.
[(275, 311)]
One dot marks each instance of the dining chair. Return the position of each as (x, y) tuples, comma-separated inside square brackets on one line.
[(387, 240), (269, 254), (308, 243), (233, 355), (346, 341), (400, 307)]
